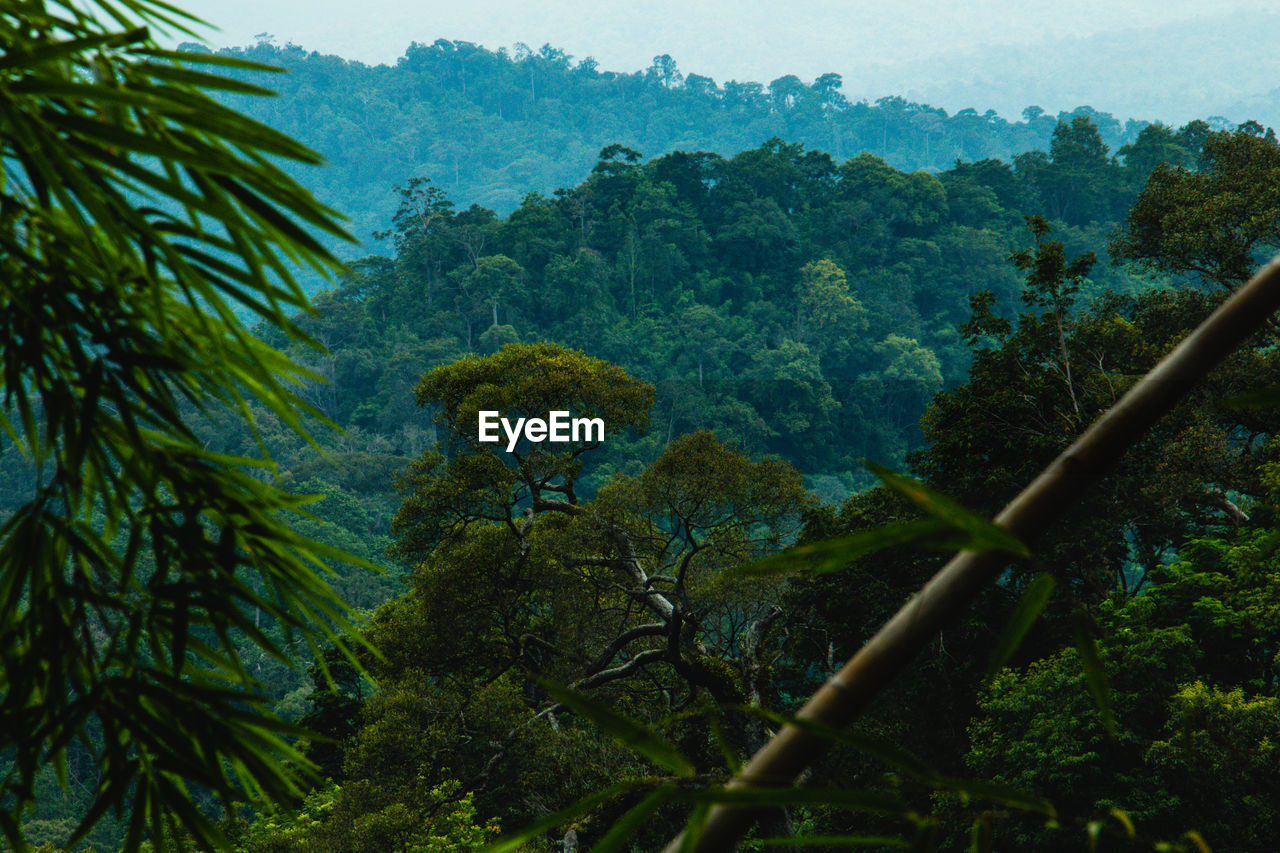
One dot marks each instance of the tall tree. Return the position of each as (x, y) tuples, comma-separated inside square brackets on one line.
[(1216, 222), (624, 595), (1075, 181)]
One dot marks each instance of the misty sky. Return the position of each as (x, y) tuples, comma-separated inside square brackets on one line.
[(901, 47)]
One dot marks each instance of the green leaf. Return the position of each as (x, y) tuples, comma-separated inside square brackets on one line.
[(891, 755), (627, 732), (19, 56), (626, 826), (517, 840), (192, 58), (983, 534), (1034, 599), (926, 840), (1122, 818), (694, 826), (1000, 793), (1198, 840), (1263, 398), (874, 802), (908, 764), (836, 841), (137, 217), (980, 834), (833, 555), (949, 527), (715, 721), (214, 82), (1093, 829), (1095, 675)]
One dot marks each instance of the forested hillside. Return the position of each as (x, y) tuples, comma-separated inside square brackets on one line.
[(792, 303), (742, 291), (490, 126), (781, 286)]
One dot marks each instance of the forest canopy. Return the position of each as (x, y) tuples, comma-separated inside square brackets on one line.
[(491, 126), (783, 289), (569, 621)]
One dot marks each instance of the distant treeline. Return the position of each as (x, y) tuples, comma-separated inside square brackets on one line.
[(489, 126)]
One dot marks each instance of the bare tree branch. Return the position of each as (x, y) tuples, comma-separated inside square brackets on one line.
[(621, 670), (657, 629), (544, 505)]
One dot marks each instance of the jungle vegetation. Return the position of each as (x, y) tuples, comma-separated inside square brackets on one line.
[(750, 327), (490, 126)]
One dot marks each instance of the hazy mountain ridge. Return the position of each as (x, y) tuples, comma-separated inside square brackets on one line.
[(488, 127), (1169, 73)]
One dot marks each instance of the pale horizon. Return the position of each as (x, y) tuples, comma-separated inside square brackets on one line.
[(926, 50)]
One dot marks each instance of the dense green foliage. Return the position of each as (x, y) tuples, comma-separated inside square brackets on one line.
[(498, 592), (745, 326), (490, 126), (136, 564), (791, 303), (1165, 559)]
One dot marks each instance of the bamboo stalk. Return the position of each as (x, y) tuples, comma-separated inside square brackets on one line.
[(957, 584)]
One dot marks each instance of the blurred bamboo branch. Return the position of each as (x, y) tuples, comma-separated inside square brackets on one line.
[(957, 584)]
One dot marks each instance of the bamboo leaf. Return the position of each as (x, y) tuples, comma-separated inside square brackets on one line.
[(980, 834), (140, 330), (727, 751), (836, 841), (215, 82), (1034, 599), (192, 58), (626, 826), (1263, 398), (1094, 831), (833, 555), (1095, 674), (983, 533), (1122, 817), (949, 527), (998, 792), (926, 840), (156, 11), (694, 827), (1198, 840), (517, 840), (17, 56), (626, 731), (891, 755), (874, 802)]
